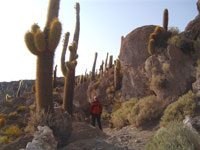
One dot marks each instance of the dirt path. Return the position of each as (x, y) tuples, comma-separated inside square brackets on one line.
[(86, 137), (132, 138)]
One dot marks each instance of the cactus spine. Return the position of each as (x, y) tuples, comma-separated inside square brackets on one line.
[(39, 43), (68, 68), (94, 66), (165, 19)]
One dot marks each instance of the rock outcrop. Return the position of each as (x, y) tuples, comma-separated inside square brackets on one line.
[(43, 140), (167, 74)]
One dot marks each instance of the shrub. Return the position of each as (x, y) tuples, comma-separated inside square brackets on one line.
[(13, 130), (188, 104), (116, 106), (39, 118), (4, 140), (110, 90), (146, 110), (21, 109), (180, 41), (158, 82), (105, 115), (174, 31), (2, 122), (13, 116), (174, 137), (119, 118)]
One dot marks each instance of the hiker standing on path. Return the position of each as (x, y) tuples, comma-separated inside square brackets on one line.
[(96, 111)]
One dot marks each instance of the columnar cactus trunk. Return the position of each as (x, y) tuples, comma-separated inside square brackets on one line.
[(68, 68), (54, 77), (165, 19), (43, 45), (106, 62), (110, 62), (117, 75), (19, 89), (94, 66)]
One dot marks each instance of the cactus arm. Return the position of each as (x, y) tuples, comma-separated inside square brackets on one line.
[(52, 11), (77, 28), (94, 65), (65, 44), (54, 34), (29, 40)]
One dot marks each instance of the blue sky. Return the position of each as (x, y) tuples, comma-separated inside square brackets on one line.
[(103, 22)]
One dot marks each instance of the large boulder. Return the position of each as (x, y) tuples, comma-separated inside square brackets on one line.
[(167, 74), (133, 54)]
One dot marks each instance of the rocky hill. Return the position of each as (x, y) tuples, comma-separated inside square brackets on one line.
[(11, 88)]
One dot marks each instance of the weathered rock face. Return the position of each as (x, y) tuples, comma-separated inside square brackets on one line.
[(192, 30), (133, 54), (80, 96), (169, 73), (43, 140)]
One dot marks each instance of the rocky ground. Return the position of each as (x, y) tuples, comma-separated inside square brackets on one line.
[(86, 137)]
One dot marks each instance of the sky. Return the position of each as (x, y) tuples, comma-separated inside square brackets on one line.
[(102, 23)]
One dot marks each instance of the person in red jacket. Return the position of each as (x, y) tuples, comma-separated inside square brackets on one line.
[(96, 111)]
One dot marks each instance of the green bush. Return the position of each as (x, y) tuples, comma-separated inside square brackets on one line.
[(158, 82), (180, 41), (188, 104), (146, 110), (119, 118), (174, 31), (174, 137)]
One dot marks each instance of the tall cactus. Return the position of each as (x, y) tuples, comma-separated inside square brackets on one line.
[(106, 62), (165, 19), (110, 62), (19, 88), (68, 68), (43, 45), (117, 75), (94, 66)]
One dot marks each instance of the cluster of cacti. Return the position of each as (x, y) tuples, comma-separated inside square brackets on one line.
[(94, 66), (68, 68), (54, 77), (43, 45), (117, 75), (165, 19), (157, 39)]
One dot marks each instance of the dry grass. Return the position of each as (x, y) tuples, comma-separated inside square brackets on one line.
[(148, 109), (187, 104), (119, 118), (174, 137)]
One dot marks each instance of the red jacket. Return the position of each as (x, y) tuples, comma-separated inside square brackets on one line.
[(96, 107)]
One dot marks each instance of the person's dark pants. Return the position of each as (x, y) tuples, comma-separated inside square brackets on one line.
[(98, 118)]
